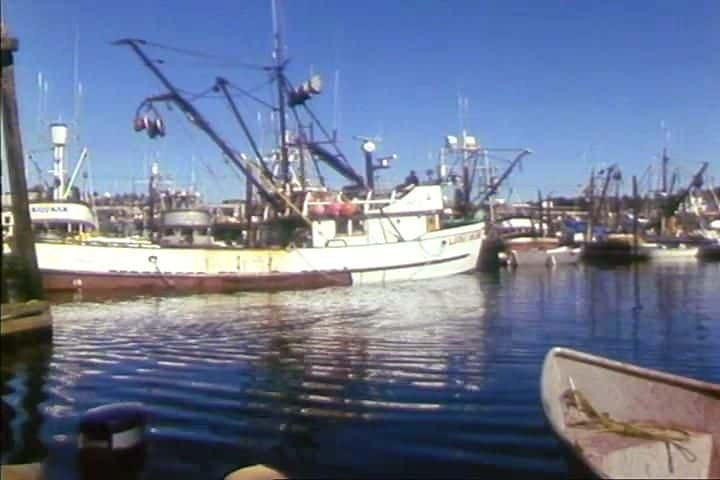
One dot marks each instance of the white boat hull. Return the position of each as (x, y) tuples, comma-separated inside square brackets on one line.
[(435, 254), (541, 257), (675, 253)]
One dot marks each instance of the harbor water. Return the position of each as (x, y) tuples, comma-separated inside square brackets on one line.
[(422, 379)]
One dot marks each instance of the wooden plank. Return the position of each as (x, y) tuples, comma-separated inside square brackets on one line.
[(27, 324), (18, 310)]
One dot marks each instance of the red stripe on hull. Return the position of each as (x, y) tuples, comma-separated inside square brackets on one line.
[(223, 283)]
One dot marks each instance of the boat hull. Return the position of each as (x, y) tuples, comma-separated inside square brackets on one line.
[(674, 253), (636, 396), (147, 267), (59, 281), (709, 253), (548, 258), (613, 252)]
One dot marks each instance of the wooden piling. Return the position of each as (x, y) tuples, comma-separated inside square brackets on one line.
[(23, 247)]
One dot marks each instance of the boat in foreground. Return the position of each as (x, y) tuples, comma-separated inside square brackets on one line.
[(624, 421)]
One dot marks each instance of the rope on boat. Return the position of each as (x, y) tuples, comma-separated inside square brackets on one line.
[(153, 259), (602, 422)]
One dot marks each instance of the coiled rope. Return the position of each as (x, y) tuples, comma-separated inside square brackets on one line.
[(602, 422)]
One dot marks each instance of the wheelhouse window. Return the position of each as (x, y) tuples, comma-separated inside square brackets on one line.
[(342, 227), (433, 223), (345, 227), (357, 226)]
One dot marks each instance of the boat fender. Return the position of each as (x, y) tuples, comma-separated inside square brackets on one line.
[(334, 209), (256, 472), (317, 211), (111, 443), (348, 209)]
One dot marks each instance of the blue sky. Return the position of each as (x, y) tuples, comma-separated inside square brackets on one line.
[(581, 83)]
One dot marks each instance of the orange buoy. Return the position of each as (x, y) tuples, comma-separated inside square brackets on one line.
[(333, 209), (317, 210), (348, 209)]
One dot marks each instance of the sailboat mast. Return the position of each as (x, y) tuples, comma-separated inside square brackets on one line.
[(279, 57)]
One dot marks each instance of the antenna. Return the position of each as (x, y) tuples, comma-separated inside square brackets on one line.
[(76, 80), (261, 127), (278, 46), (279, 57), (193, 186), (39, 132), (336, 102), (665, 158), (461, 124)]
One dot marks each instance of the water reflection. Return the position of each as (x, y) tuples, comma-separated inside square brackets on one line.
[(417, 379), (24, 376)]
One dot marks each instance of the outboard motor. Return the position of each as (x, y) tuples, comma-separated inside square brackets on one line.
[(111, 442)]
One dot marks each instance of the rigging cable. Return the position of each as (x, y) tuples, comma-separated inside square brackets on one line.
[(203, 55)]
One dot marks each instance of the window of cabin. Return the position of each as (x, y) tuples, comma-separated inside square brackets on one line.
[(358, 226), (168, 232), (342, 227)]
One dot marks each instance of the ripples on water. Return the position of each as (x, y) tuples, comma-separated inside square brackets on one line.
[(423, 379)]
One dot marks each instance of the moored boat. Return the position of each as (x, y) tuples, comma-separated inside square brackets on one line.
[(403, 238), (709, 252), (615, 249), (298, 232), (539, 251), (624, 421)]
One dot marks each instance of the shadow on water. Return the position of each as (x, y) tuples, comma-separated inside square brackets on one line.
[(24, 376)]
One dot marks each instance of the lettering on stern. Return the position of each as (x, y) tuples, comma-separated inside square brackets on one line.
[(465, 237)]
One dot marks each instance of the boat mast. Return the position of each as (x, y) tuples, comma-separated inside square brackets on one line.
[(279, 57), (196, 117), (665, 158)]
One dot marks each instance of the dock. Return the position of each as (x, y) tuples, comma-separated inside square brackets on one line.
[(24, 315), (27, 321)]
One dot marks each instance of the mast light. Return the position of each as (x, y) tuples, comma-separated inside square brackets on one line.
[(384, 162), (469, 141), (59, 134), (368, 146)]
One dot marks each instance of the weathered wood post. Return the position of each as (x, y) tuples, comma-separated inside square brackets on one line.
[(22, 244)]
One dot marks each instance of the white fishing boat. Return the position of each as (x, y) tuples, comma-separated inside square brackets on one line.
[(53, 220), (305, 236), (402, 238)]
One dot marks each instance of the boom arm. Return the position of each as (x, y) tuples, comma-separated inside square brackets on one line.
[(196, 117)]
